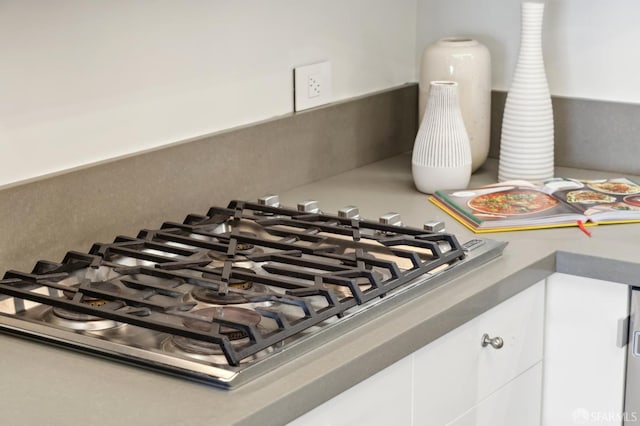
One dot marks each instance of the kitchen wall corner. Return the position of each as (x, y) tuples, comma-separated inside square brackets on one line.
[(44, 218)]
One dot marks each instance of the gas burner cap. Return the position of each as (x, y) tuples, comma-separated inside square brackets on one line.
[(242, 247), (228, 313), (212, 296), (244, 284), (209, 352), (236, 261), (242, 250), (78, 321), (69, 318), (212, 352), (81, 322), (99, 285)]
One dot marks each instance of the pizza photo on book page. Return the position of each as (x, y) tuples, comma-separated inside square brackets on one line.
[(556, 202)]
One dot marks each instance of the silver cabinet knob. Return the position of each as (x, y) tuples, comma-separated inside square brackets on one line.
[(269, 200), (496, 342), (349, 212), (309, 206), (391, 218)]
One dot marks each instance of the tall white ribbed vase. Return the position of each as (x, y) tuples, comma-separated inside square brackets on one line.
[(526, 145), (441, 157)]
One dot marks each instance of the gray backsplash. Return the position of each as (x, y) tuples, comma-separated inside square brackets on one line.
[(44, 218), (589, 134)]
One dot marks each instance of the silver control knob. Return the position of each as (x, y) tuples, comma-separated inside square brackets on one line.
[(269, 200), (434, 226), (309, 206), (391, 219), (349, 212), (495, 342)]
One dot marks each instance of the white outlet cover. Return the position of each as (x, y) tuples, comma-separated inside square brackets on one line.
[(319, 76)]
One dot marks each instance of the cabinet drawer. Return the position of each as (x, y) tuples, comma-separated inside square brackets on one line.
[(390, 387), (516, 403), (454, 373)]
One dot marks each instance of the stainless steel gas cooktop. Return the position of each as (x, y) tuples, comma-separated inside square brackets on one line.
[(230, 295)]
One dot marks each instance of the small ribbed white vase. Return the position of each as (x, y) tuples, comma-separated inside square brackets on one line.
[(441, 156), (526, 145)]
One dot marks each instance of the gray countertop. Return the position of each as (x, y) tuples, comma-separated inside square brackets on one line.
[(42, 384)]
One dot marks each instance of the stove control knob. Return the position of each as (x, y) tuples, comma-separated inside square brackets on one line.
[(349, 212), (269, 201), (434, 226), (309, 206), (391, 219)]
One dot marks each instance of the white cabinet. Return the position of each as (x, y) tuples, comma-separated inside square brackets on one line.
[(583, 365), (386, 397), (560, 362), (516, 403), (454, 377), (454, 373)]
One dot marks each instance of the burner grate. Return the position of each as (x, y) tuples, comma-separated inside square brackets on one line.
[(319, 266)]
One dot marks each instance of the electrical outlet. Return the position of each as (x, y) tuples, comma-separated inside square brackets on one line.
[(312, 85)]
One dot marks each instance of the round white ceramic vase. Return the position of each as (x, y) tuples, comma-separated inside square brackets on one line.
[(441, 157), (467, 62), (526, 144)]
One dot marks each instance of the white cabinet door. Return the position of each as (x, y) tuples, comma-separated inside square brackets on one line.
[(583, 367), (516, 403), (454, 373), (383, 399)]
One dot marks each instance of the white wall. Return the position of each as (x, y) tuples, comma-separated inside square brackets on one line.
[(590, 46), (83, 81)]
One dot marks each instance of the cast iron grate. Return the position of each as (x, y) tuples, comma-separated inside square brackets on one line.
[(302, 257)]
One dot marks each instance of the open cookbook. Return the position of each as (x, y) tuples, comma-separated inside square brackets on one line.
[(515, 205)]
